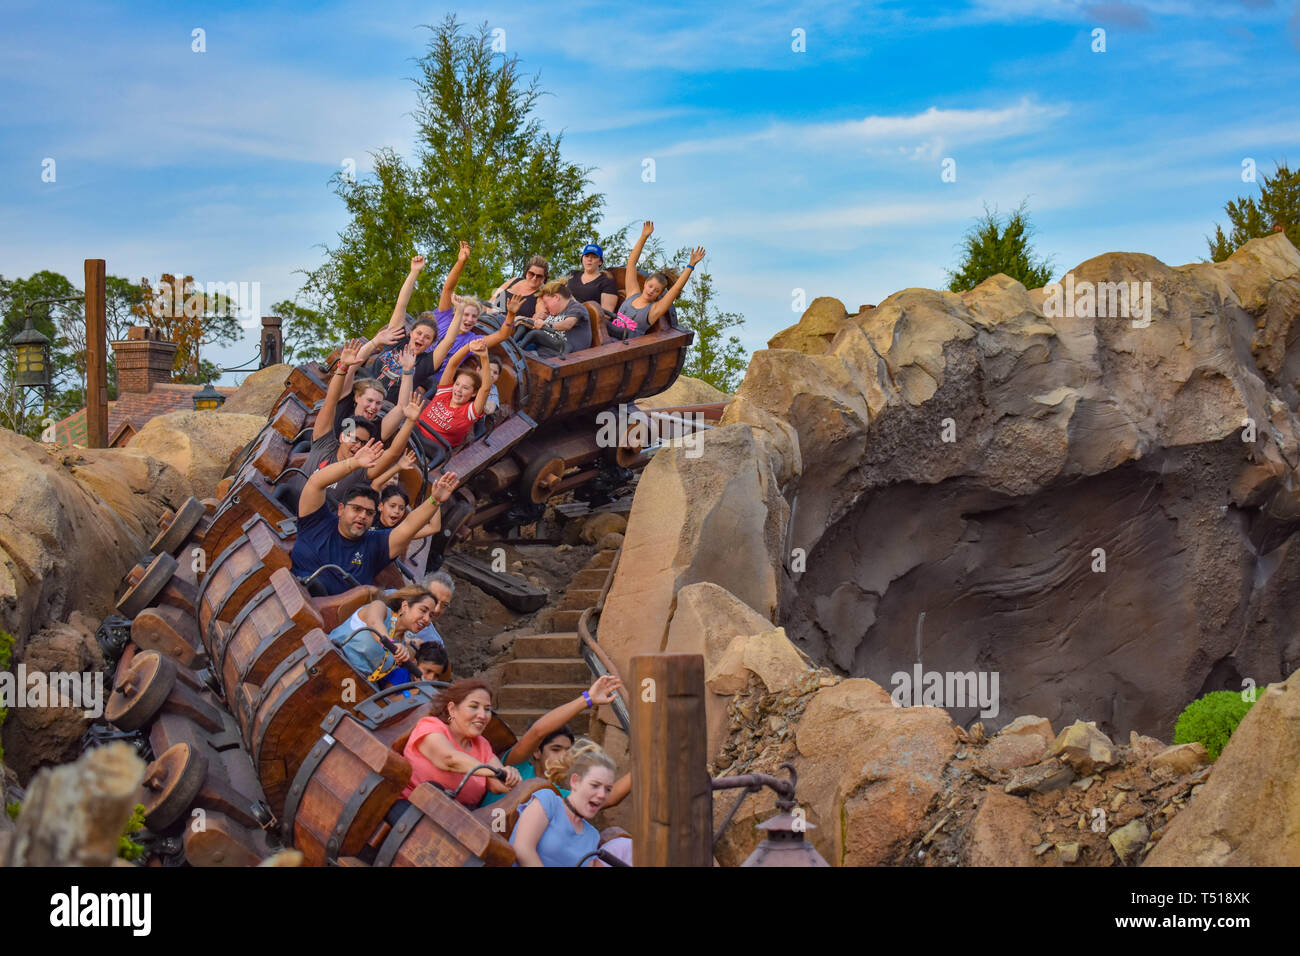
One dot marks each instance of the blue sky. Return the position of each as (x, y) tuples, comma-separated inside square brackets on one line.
[(816, 170)]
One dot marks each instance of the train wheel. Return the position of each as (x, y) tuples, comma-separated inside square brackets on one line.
[(171, 538), (155, 578), (540, 477), (140, 692), (171, 784)]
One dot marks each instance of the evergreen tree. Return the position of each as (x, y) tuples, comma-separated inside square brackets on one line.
[(714, 356), (1278, 205), (990, 247), (484, 171)]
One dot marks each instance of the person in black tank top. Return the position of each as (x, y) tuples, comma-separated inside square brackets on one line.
[(525, 286)]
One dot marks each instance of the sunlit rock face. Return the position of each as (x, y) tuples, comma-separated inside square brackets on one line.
[(1088, 489)]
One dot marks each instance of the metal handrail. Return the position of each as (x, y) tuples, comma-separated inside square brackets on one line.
[(594, 650)]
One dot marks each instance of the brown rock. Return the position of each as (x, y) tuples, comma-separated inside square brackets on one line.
[(611, 542), (1181, 758), (1129, 839), (927, 443), (1084, 747), (197, 444), (74, 814), (36, 737), (718, 517), (72, 524), (1013, 750), (1000, 831), (684, 391), (599, 525), (258, 392), (1029, 725), (873, 769), (1042, 777), (1246, 813), (816, 328)]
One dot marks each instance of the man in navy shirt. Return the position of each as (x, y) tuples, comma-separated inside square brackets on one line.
[(345, 537)]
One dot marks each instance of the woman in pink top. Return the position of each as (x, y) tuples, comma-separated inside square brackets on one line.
[(449, 743)]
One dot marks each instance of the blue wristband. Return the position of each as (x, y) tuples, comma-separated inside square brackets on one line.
[(587, 698)]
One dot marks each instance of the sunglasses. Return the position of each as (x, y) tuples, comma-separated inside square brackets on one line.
[(536, 275)]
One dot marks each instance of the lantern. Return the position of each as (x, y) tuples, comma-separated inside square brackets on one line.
[(207, 398), (784, 844), (32, 357)]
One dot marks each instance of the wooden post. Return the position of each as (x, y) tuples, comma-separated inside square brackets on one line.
[(96, 357), (672, 799)]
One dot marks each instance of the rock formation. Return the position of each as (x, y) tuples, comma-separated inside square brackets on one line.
[(72, 523), (1092, 497), (198, 444)]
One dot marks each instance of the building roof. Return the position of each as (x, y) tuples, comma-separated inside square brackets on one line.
[(134, 409)]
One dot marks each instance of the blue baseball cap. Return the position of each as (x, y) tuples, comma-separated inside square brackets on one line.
[(594, 250)]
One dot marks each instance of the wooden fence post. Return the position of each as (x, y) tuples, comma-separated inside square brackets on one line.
[(96, 357), (672, 797)]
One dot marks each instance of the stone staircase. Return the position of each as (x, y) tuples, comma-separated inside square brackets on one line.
[(547, 669)]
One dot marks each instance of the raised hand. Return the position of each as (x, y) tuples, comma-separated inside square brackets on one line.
[(408, 358), (647, 228), (604, 689), (409, 461), (463, 254), (417, 264), (479, 347), (349, 357), (696, 255), (389, 336), (514, 304), (412, 410), (368, 455), (445, 485)]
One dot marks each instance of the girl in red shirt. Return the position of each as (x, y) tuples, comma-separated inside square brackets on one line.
[(462, 394)]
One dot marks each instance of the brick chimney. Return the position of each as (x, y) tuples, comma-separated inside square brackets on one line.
[(143, 360)]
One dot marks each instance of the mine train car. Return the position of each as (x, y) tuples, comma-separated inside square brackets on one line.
[(258, 732), (546, 444)]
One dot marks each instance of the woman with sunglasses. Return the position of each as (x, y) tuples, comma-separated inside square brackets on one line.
[(526, 286)]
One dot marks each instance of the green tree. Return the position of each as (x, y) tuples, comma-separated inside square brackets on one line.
[(307, 333), (714, 356), (1278, 205), (484, 170), (991, 247)]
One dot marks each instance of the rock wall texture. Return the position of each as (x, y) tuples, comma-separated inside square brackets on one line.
[(72, 523), (1099, 508)]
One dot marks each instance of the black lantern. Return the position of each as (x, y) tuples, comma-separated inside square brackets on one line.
[(32, 357), (207, 398)]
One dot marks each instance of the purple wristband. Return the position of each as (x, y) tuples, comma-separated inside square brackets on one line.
[(587, 698)]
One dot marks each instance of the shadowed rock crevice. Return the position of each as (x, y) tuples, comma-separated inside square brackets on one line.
[(1008, 584)]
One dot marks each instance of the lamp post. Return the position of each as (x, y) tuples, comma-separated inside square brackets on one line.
[(207, 398)]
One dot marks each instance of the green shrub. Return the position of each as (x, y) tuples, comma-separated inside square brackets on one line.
[(1212, 719), (127, 848)]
